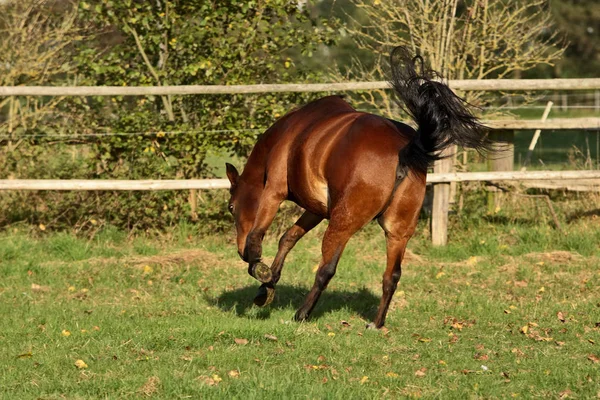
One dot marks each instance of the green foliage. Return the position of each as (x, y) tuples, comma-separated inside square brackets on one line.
[(183, 43), (171, 43)]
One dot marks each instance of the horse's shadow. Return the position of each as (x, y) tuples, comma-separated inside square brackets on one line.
[(239, 301)]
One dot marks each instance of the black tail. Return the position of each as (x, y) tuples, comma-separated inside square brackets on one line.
[(442, 117)]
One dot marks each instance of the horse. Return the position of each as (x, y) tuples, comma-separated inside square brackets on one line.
[(349, 167)]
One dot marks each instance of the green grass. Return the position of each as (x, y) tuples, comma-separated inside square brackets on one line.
[(171, 317)]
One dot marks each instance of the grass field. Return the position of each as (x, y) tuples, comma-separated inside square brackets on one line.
[(511, 308)]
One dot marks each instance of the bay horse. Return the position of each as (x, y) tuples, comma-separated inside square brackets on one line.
[(349, 167)]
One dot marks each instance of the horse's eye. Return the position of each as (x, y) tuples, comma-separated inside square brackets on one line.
[(230, 208)]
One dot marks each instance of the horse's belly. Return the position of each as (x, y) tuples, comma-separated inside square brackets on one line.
[(313, 196)]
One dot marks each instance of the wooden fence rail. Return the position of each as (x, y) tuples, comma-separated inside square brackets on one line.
[(206, 184), (467, 85)]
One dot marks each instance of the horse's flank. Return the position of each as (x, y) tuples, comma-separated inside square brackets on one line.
[(319, 150)]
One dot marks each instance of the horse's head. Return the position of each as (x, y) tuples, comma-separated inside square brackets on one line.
[(243, 205)]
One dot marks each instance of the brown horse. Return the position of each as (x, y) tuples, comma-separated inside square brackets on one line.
[(349, 167)]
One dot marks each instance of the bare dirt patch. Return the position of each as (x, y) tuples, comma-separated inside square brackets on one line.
[(554, 256), (197, 256)]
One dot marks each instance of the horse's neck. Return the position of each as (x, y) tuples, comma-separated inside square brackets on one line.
[(257, 163)]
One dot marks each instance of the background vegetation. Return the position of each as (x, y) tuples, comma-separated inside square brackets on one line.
[(104, 42)]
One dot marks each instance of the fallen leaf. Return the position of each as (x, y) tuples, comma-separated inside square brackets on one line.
[(270, 337), (42, 227), (593, 358), (524, 329), (331, 334), (345, 323), (364, 380), (439, 275), (242, 342), (558, 343), (457, 325), (81, 364), (25, 355), (66, 332), (424, 340), (234, 373), (392, 374), (421, 372), (38, 288), (560, 316), (211, 381), (591, 341), (565, 394)]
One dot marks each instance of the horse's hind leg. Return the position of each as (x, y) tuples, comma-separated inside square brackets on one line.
[(305, 223), (398, 222), (345, 221), (334, 242), (395, 253)]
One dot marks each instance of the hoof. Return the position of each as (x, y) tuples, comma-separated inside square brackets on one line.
[(265, 295), (371, 325), (261, 272), (300, 316)]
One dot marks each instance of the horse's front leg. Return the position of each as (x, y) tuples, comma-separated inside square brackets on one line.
[(267, 208), (304, 224)]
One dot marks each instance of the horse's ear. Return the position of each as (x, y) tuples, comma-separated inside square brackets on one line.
[(232, 174)]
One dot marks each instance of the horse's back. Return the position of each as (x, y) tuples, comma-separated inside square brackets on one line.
[(332, 148)]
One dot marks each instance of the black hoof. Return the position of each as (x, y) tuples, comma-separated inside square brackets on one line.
[(261, 272), (300, 316), (265, 295)]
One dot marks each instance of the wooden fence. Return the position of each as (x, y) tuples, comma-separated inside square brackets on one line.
[(207, 184), (441, 178)]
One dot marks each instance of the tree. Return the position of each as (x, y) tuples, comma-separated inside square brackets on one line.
[(470, 39), (579, 22), (34, 50)]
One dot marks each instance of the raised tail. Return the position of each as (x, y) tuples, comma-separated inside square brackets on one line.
[(442, 117)]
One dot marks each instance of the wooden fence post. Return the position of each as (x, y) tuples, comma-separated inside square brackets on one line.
[(194, 204), (441, 202), (501, 159)]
